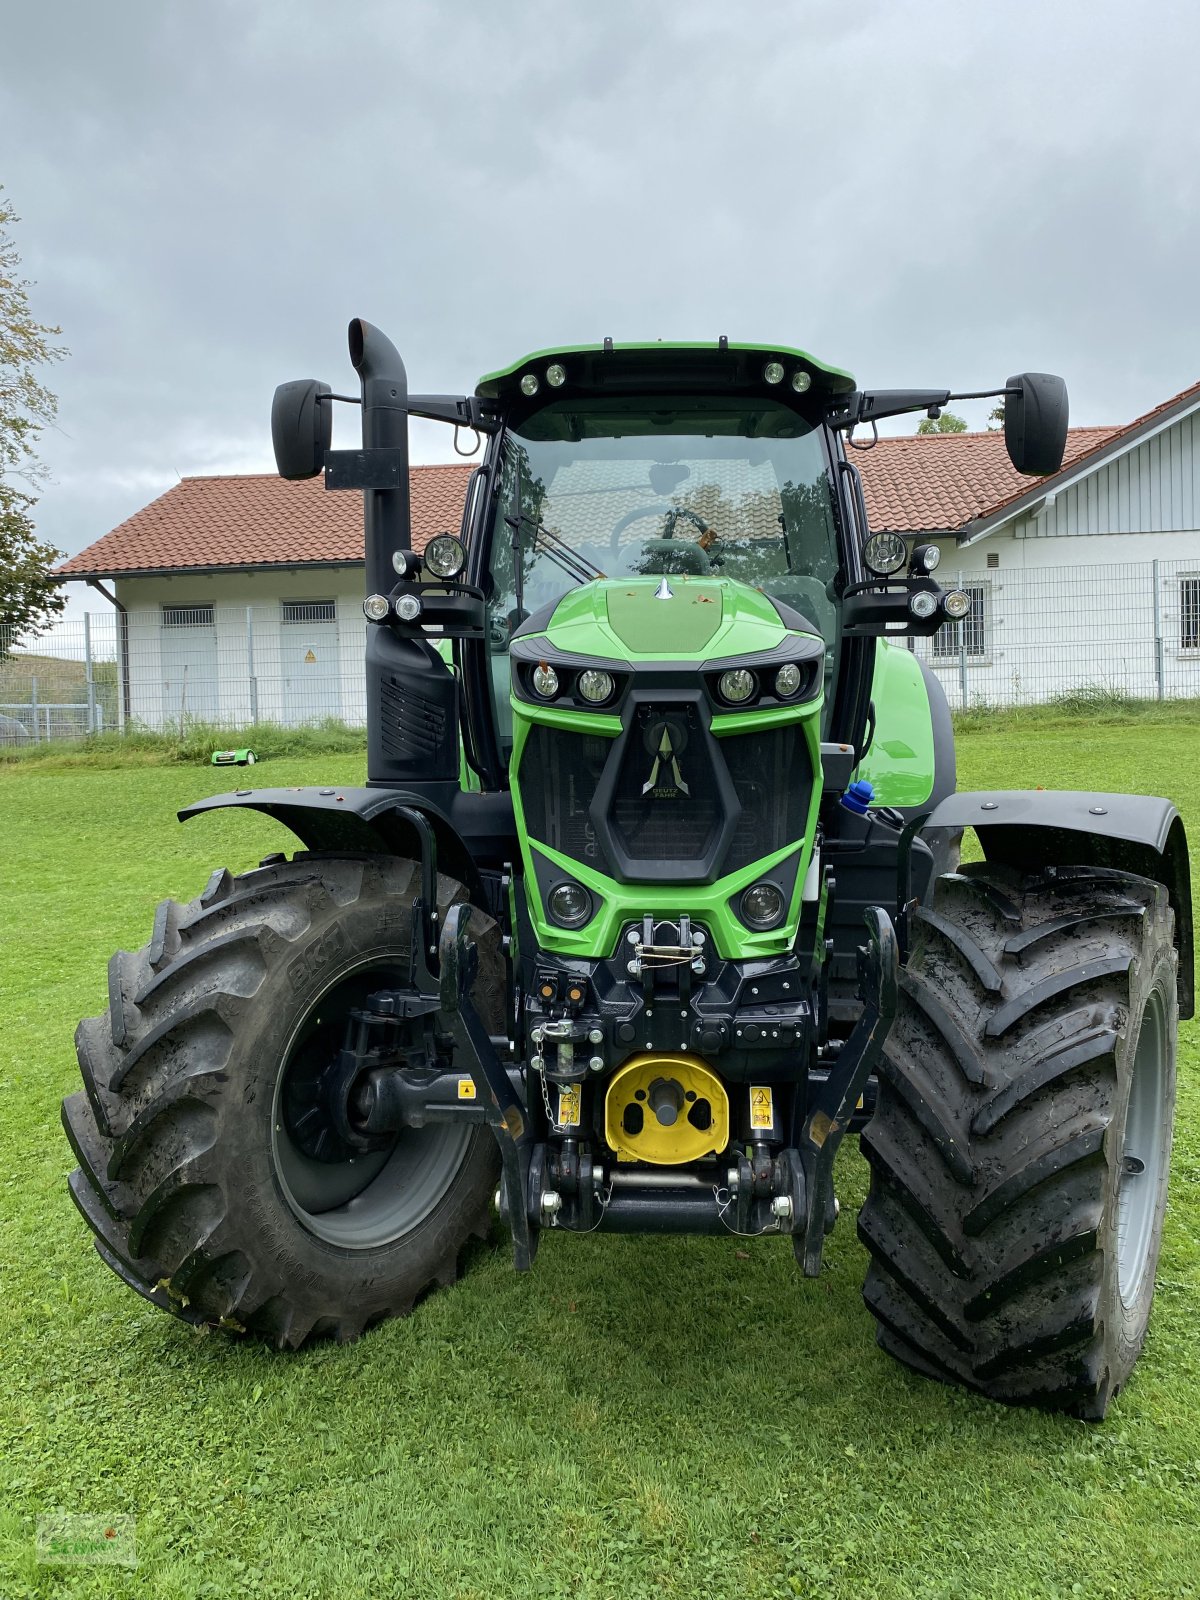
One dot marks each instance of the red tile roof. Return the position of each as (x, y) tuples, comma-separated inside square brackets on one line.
[(936, 482), (260, 520)]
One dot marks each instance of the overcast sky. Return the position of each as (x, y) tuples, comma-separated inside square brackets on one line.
[(924, 193)]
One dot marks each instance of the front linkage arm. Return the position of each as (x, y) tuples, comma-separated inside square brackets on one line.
[(829, 1117), (507, 1115)]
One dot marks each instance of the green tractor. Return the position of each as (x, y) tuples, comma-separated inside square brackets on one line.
[(652, 895)]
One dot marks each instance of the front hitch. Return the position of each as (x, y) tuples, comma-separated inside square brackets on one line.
[(835, 1103), (506, 1113)]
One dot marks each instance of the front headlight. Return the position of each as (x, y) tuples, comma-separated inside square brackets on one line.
[(569, 904), (445, 556), (763, 906), (596, 685), (737, 685), (787, 680), (885, 553), (545, 680)]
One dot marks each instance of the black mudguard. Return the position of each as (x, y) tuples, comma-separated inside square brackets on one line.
[(472, 830), (1031, 829)]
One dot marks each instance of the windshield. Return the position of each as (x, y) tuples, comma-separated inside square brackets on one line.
[(682, 487), (606, 488)]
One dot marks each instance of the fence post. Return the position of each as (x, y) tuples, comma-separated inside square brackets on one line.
[(250, 663), (91, 683), (33, 707), (1158, 633), (962, 655)]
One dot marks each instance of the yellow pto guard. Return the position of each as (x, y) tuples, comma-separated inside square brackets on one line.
[(666, 1109)]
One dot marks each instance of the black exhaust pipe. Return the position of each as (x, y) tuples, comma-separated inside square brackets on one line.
[(387, 515), (412, 696)]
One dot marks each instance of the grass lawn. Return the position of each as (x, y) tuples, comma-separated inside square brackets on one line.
[(637, 1417)]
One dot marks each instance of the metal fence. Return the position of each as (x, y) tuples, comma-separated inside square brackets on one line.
[(1033, 634), (1078, 633)]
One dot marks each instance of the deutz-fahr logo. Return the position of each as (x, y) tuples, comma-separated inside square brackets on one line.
[(665, 780)]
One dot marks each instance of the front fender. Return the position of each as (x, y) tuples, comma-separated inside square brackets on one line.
[(471, 829), (1031, 829)]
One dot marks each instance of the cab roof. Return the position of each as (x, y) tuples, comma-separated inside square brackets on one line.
[(662, 365)]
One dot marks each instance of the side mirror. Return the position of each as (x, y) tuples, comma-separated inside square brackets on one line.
[(1035, 422), (301, 427)]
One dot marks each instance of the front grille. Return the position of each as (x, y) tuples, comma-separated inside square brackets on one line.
[(663, 809), (772, 776), (560, 772), (665, 805)]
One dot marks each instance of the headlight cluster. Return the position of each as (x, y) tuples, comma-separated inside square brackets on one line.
[(594, 685), (955, 603), (737, 686), (377, 607), (444, 558)]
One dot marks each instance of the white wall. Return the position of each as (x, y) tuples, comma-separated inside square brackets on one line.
[(1072, 611), (248, 605)]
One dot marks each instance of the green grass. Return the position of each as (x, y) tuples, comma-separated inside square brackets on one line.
[(58, 677), (191, 745), (638, 1417), (1092, 706)]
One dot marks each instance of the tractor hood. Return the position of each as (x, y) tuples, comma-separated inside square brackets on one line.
[(666, 619)]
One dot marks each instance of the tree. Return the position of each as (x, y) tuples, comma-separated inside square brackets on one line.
[(30, 597), (996, 416), (948, 422)]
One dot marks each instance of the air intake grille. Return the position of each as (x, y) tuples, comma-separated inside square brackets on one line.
[(772, 777), (411, 726), (559, 774), (664, 807)]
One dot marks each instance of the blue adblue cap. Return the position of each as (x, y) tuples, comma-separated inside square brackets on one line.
[(859, 796)]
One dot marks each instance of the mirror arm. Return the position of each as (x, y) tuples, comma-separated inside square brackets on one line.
[(461, 411), (868, 405)]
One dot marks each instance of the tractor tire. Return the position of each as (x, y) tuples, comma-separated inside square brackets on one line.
[(1021, 1140), (197, 1173)]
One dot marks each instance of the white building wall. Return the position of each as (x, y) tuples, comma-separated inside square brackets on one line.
[(260, 659), (1090, 590)]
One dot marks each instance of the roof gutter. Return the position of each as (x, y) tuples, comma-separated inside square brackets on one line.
[(123, 635), (207, 572), (1042, 495)]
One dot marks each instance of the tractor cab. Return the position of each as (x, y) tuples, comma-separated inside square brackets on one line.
[(721, 494)]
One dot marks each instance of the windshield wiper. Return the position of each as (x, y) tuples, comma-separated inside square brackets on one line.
[(554, 548)]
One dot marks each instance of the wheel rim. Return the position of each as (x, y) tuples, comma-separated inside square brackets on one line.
[(368, 1199), (1143, 1158)]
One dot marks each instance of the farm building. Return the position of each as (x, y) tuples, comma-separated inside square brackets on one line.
[(240, 598)]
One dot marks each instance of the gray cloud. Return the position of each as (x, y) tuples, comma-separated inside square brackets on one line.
[(926, 194)]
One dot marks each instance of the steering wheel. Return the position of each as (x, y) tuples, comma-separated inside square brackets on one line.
[(695, 556)]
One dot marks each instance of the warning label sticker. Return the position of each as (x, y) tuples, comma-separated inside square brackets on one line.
[(466, 1089), (570, 1108), (762, 1105), (310, 655)]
